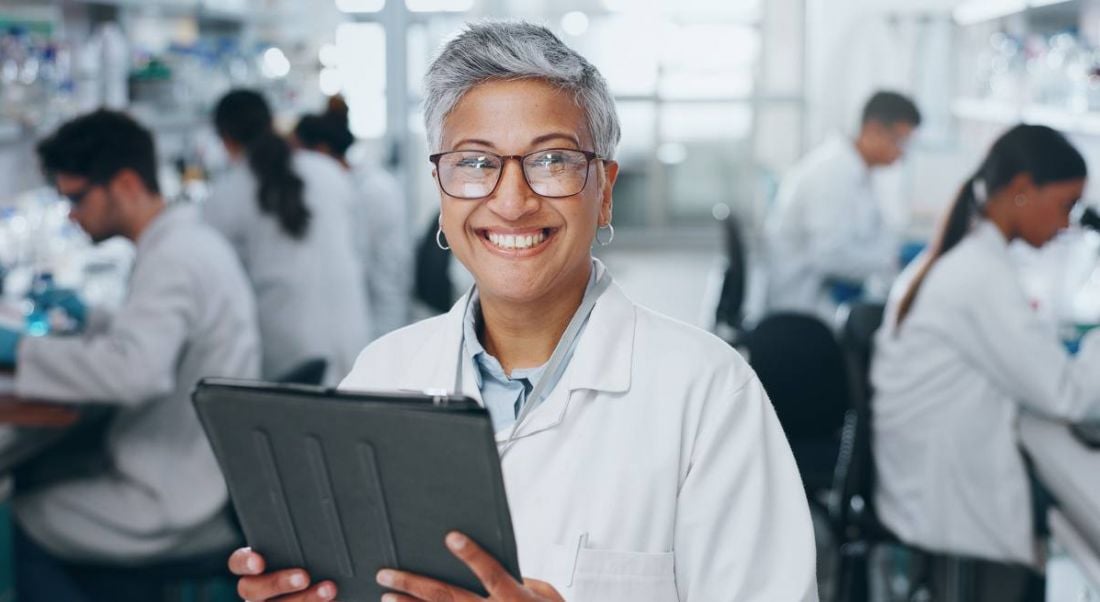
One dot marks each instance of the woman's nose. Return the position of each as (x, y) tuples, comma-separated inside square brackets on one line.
[(513, 198)]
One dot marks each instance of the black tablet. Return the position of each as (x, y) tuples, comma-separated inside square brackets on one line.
[(344, 484), (1088, 433)]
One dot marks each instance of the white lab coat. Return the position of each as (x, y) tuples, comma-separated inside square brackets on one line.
[(188, 314), (309, 292), (949, 387), (384, 248), (655, 471), (826, 224)]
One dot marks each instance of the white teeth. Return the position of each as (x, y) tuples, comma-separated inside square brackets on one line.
[(511, 241)]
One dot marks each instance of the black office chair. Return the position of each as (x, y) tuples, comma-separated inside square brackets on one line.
[(729, 314), (803, 370), (309, 372), (851, 508), (857, 337), (432, 284)]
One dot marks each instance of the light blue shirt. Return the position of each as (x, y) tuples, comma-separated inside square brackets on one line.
[(504, 395)]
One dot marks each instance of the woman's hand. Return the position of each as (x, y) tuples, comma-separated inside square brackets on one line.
[(500, 585), (291, 585)]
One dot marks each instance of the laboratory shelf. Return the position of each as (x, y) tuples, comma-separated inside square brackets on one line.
[(1007, 113), (972, 12)]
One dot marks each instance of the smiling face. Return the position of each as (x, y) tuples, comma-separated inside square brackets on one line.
[(519, 246)]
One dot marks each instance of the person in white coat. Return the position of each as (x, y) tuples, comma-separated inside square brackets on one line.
[(378, 213), (287, 215), (642, 458), (826, 234), (962, 357), (188, 314)]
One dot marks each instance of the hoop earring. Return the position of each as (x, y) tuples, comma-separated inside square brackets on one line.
[(439, 239), (610, 234), (1020, 200)]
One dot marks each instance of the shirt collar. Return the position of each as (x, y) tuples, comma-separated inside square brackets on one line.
[(475, 351)]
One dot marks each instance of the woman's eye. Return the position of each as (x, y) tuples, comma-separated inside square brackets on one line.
[(476, 163), (548, 159)]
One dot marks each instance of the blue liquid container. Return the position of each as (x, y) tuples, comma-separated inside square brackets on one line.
[(38, 319)]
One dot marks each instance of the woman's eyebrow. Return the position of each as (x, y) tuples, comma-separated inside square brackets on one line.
[(556, 136), (536, 141), (476, 141)]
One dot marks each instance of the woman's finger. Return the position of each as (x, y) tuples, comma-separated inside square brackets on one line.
[(492, 575), (423, 588), (244, 562), (280, 583)]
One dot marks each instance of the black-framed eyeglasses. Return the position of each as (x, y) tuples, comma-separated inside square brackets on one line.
[(552, 173)]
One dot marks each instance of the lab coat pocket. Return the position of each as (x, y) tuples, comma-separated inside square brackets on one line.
[(611, 576)]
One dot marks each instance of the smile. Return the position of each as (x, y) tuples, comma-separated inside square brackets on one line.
[(521, 241)]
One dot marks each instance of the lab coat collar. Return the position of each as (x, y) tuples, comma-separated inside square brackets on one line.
[(602, 360), (605, 351), (845, 148), (433, 365), (989, 232), (162, 223)]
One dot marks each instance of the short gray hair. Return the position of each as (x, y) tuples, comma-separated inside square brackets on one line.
[(512, 50)]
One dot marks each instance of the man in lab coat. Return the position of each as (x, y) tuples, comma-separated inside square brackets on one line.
[(825, 236), (188, 314)]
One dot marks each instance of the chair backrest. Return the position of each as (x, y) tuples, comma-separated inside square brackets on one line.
[(309, 372), (854, 480), (732, 299), (432, 282), (858, 340), (803, 370)]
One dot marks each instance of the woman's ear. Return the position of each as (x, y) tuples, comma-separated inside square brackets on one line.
[(1021, 184), (610, 174)]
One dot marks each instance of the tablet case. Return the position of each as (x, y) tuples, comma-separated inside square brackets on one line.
[(343, 484), (1088, 434)]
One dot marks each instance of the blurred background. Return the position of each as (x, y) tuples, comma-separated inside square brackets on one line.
[(718, 99)]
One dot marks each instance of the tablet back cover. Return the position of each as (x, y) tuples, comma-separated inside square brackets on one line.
[(345, 484)]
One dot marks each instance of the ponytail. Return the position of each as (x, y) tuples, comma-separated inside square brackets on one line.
[(281, 191), (1036, 150), (243, 116), (955, 226)]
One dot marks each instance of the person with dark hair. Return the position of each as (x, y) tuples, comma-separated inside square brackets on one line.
[(188, 314), (826, 234), (287, 214), (963, 363), (378, 213)]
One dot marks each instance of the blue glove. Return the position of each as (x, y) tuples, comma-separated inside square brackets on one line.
[(66, 299), (9, 342)]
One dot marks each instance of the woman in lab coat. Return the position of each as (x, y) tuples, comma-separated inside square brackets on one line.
[(645, 463), (286, 214), (378, 211), (962, 357)]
